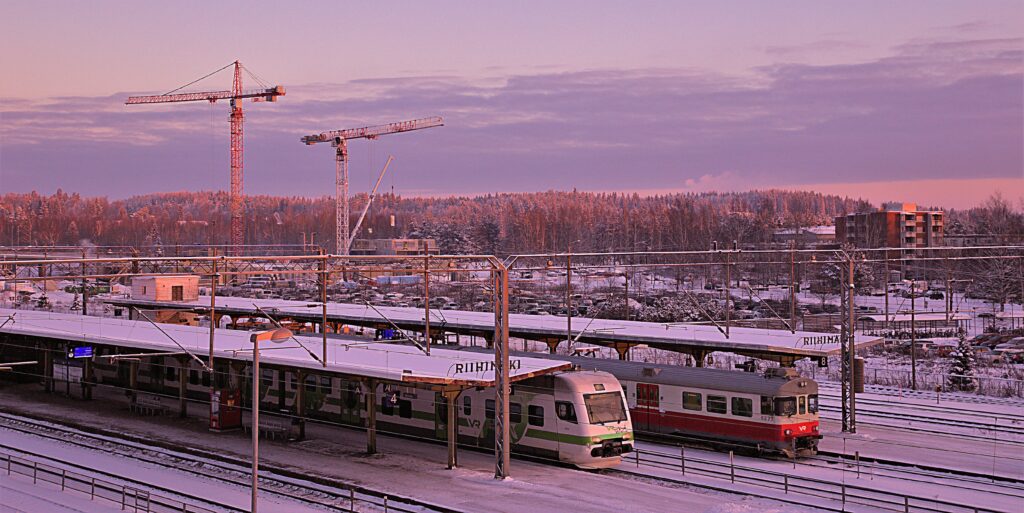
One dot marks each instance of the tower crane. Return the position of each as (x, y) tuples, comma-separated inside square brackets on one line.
[(235, 95), (339, 140)]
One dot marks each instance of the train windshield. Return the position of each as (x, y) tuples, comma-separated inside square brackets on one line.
[(812, 403), (785, 406), (605, 407)]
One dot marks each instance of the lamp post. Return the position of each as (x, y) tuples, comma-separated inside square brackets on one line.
[(278, 335)]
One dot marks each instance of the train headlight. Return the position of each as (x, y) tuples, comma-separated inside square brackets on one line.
[(595, 439), (788, 432), (627, 436), (814, 427)]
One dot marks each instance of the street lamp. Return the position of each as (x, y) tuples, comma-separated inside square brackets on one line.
[(277, 336)]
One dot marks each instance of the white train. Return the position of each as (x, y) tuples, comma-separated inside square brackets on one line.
[(573, 417)]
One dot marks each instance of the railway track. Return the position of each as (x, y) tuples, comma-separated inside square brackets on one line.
[(883, 419), (739, 477), (323, 493), (983, 419), (928, 395), (878, 467)]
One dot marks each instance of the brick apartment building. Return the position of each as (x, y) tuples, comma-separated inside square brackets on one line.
[(895, 225)]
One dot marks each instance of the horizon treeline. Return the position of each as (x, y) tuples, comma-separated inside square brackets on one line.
[(495, 223)]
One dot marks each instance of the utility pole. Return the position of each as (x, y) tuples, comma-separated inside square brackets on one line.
[(792, 286), (949, 304), (426, 302), (885, 283), (847, 353), (323, 305), (568, 295), (213, 327), (501, 371), (913, 336), (728, 293)]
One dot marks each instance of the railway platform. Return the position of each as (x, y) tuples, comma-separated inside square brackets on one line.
[(402, 467)]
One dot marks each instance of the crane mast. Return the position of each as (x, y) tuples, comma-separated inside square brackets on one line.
[(339, 140), (235, 95)]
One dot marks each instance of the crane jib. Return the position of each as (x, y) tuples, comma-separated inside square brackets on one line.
[(211, 96), (370, 132)]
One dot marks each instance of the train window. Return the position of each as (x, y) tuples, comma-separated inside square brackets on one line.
[(766, 405), (467, 405), (405, 408), (489, 408), (604, 407), (206, 379), (535, 415), (193, 377), (693, 401), (812, 403), (310, 383), (515, 413), (801, 404), (785, 405), (717, 404), (291, 380), (565, 411), (325, 384), (742, 407), (267, 377), (171, 373), (386, 406)]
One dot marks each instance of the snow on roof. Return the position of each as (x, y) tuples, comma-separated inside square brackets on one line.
[(1009, 315), (356, 357), (920, 317), (538, 327)]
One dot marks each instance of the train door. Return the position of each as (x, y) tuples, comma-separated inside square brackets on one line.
[(351, 410), (648, 398), (440, 416)]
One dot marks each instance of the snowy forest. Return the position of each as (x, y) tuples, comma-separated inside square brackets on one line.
[(496, 224)]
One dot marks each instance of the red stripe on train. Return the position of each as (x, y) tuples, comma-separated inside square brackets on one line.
[(669, 421)]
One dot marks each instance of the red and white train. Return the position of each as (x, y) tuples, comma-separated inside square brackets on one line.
[(772, 412)]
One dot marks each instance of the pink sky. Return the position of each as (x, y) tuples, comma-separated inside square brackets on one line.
[(917, 101)]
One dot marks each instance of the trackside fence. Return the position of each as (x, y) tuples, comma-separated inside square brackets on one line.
[(126, 497), (846, 494)]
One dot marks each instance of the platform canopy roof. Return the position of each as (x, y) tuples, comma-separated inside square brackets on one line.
[(920, 317), (761, 343), (347, 356)]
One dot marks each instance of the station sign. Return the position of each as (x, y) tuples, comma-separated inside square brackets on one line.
[(81, 352), (484, 366)]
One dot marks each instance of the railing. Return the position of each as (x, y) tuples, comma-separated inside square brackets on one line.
[(127, 497), (846, 494), (345, 498)]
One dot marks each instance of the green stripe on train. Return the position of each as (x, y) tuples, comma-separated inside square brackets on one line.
[(564, 438)]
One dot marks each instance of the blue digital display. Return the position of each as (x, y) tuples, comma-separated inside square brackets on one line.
[(81, 352)]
